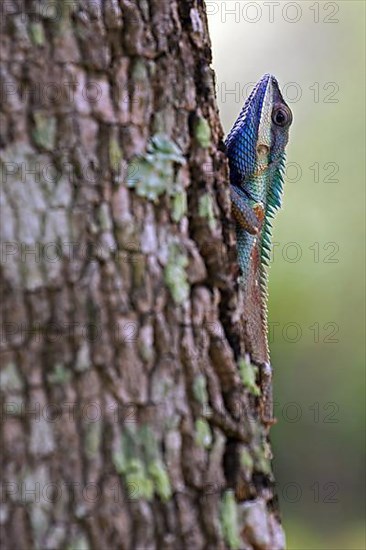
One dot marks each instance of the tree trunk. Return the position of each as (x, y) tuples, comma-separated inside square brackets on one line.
[(129, 417)]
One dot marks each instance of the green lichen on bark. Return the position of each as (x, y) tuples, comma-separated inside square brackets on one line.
[(248, 374), (179, 205), (139, 71), (153, 174), (59, 375), (10, 379), (160, 479), (247, 462), (115, 154), (229, 520), (44, 132), (138, 481), (104, 217), (155, 466), (176, 276), (205, 210), (36, 32), (140, 463), (262, 457), (200, 389), (203, 435), (202, 132), (128, 462), (79, 543)]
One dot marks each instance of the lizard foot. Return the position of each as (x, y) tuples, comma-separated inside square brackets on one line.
[(267, 399)]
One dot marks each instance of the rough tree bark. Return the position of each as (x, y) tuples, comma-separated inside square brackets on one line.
[(129, 418)]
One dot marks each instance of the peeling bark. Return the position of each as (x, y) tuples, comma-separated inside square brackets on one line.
[(126, 420)]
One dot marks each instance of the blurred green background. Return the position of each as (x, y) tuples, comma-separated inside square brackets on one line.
[(317, 308)]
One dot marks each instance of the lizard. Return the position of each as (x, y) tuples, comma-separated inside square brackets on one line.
[(255, 148)]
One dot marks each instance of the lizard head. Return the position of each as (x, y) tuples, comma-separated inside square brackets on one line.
[(256, 144)]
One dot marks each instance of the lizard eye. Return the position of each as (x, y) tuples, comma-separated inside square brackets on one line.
[(282, 116)]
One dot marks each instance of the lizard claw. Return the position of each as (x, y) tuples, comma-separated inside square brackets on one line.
[(243, 213), (267, 400)]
